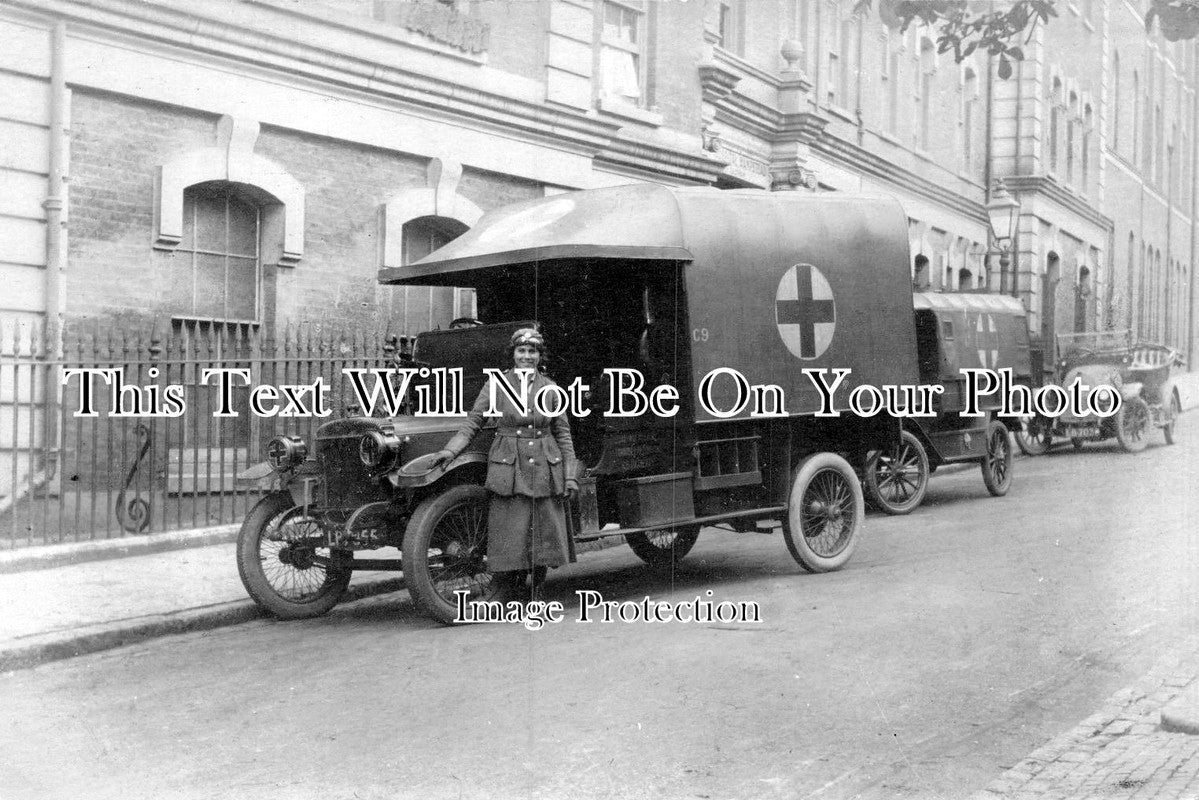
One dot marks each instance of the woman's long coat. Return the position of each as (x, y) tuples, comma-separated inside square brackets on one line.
[(530, 460)]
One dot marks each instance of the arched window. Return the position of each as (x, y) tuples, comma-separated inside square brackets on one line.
[(424, 309), (423, 235), (920, 273), (1082, 293), (215, 273), (214, 292)]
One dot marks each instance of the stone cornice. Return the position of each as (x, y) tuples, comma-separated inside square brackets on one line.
[(1042, 185), (648, 159), (870, 164), (161, 26), (773, 126), (716, 81)]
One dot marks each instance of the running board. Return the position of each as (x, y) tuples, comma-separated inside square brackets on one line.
[(769, 511)]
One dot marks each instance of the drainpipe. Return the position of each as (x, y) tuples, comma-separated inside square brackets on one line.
[(55, 240)]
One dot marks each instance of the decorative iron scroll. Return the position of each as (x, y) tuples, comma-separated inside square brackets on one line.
[(134, 515)]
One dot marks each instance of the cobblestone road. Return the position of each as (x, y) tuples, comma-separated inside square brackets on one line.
[(1121, 751)]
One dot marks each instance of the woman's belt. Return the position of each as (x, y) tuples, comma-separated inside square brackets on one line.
[(523, 432)]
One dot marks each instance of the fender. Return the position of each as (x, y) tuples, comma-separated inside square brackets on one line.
[(412, 482), (255, 473)]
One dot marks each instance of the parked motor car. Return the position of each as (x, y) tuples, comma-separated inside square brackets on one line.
[(1142, 372)]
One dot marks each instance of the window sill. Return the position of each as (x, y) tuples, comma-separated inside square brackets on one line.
[(626, 110)]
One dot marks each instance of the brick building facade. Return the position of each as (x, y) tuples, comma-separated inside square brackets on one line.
[(250, 164)]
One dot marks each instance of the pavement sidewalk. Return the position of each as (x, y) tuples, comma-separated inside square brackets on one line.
[(56, 609)]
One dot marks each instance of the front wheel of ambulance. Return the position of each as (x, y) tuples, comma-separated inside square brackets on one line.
[(445, 551), (824, 513), (896, 480), (284, 560)]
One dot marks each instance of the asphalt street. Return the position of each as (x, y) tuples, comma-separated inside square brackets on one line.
[(957, 640)]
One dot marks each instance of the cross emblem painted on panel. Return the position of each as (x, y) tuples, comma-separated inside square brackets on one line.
[(805, 312)]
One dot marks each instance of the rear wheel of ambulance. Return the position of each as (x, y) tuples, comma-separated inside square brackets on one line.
[(997, 464), (896, 480), (445, 551), (284, 560), (663, 549), (824, 513)]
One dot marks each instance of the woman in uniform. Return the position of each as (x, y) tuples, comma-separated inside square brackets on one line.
[(530, 468)]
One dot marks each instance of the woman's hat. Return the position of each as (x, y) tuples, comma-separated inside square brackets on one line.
[(527, 336)]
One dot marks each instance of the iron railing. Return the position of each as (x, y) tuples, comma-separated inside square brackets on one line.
[(66, 477)]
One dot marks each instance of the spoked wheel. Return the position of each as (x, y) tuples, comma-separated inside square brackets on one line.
[(445, 550), (997, 464), (1172, 429), (1035, 437), (1132, 425), (663, 549), (824, 513), (896, 480), (285, 563)]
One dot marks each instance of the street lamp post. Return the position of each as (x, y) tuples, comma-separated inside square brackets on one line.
[(1003, 211)]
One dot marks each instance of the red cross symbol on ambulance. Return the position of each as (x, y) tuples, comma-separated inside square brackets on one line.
[(804, 311), (986, 338)]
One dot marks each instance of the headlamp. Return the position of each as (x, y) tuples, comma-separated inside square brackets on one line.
[(378, 448), (284, 452)]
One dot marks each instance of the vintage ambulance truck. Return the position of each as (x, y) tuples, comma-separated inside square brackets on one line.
[(955, 332), (675, 283)]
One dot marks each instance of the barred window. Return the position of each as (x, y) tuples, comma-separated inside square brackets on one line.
[(215, 273)]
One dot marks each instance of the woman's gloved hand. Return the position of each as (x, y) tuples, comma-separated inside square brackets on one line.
[(443, 457), (572, 488)]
